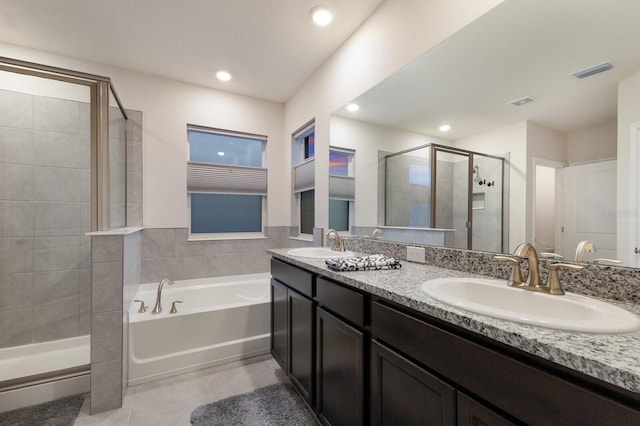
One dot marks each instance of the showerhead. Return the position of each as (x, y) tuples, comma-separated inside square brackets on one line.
[(476, 171)]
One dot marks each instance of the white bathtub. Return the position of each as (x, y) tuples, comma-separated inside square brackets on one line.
[(52, 370), (220, 320)]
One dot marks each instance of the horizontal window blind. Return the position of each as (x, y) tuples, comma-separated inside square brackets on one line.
[(304, 176), (226, 179), (342, 187)]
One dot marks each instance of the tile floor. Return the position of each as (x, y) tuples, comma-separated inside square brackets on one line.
[(170, 401)]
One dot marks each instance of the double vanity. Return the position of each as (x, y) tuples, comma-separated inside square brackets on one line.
[(404, 347)]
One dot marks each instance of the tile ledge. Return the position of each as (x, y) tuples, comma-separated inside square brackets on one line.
[(118, 231)]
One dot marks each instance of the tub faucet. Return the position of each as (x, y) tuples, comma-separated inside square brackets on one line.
[(338, 243), (158, 307)]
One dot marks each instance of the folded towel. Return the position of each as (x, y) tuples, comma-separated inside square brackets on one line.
[(375, 261)]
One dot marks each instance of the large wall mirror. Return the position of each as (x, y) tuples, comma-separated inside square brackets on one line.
[(509, 85)]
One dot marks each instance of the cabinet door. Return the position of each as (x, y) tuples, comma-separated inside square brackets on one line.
[(279, 325), (302, 344), (340, 376), (473, 413), (402, 393)]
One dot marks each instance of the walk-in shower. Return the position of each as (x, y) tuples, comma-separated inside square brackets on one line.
[(60, 132), (440, 187)]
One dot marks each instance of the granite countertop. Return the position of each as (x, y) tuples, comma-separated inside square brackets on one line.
[(612, 358)]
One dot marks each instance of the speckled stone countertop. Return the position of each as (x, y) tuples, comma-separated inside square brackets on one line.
[(612, 358)]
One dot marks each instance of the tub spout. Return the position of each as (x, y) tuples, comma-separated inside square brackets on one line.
[(158, 307)]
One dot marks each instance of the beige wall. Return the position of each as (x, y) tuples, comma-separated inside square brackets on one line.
[(597, 143)]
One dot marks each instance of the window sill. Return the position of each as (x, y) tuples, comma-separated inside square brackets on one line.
[(225, 237), (305, 237)]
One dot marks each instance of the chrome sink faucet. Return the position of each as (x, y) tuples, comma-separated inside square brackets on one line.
[(158, 306), (338, 243), (528, 251)]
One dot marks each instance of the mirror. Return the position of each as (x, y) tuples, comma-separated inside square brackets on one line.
[(506, 86)]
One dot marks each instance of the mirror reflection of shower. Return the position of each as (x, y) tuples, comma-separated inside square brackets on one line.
[(435, 187)]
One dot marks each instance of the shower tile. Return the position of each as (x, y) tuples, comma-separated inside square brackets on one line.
[(134, 186), (21, 290), (21, 255), (16, 146), (85, 118), (18, 182), (5, 327), (134, 125), (63, 257), (184, 248), (106, 294), (117, 123), (21, 327), (55, 322), (60, 150), (85, 252), (106, 248), (134, 156), (134, 214), (85, 218), (56, 288), (106, 336), (56, 115), (85, 185), (16, 109), (57, 219), (17, 218), (157, 243), (106, 386), (57, 184), (117, 154)]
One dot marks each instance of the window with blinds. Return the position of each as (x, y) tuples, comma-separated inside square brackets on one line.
[(226, 181), (303, 175), (341, 188)]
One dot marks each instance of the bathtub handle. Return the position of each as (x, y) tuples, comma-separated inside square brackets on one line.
[(142, 308), (173, 306)]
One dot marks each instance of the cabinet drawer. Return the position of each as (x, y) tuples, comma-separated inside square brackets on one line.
[(294, 277), (507, 383), (342, 301)]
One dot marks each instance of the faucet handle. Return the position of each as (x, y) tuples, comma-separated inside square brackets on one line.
[(553, 282), (142, 309), (516, 274), (173, 306)]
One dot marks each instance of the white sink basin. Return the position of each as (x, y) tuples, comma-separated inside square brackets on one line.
[(494, 298), (319, 253)]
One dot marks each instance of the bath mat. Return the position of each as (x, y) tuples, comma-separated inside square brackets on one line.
[(277, 404), (61, 412)]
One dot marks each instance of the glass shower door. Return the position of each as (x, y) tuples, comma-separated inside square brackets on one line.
[(452, 196)]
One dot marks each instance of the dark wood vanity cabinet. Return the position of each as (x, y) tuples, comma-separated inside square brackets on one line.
[(293, 325), (340, 359)]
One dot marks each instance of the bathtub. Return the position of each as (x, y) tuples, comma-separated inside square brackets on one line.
[(41, 372), (220, 320)]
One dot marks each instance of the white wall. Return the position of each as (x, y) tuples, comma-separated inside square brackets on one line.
[(367, 139), (628, 114), (594, 144), (167, 107), (511, 140), (545, 210), (396, 33)]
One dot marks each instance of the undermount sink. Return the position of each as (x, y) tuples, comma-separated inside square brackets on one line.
[(319, 253), (570, 312)]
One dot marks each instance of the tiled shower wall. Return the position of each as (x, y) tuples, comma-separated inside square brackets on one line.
[(45, 208)]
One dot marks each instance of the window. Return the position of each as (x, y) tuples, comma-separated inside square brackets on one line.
[(226, 183), (341, 188), (302, 156)]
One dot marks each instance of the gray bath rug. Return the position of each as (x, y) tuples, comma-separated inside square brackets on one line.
[(277, 405), (61, 412)]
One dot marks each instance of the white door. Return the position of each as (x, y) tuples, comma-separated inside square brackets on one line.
[(590, 208)]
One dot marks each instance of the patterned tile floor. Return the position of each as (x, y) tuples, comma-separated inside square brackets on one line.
[(170, 401)]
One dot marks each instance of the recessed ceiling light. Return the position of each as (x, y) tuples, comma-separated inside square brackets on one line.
[(321, 16), (353, 107), (223, 75), (445, 127), (221, 154)]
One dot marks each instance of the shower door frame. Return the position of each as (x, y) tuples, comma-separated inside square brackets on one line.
[(99, 87)]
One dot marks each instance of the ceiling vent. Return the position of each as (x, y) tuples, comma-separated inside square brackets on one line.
[(596, 69), (522, 101)]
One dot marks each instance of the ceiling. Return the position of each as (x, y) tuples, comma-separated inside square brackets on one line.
[(269, 46), (519, 48)]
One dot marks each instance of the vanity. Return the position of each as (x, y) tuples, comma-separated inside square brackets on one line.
[(371, 347)]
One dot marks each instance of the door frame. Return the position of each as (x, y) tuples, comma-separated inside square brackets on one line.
[(628, 257), (559, 198)]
